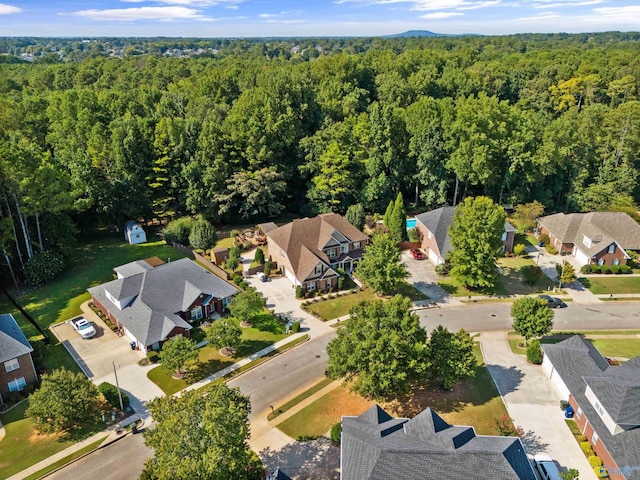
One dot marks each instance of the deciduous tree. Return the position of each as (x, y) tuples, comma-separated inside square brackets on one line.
[(380, 267), (450, 356), (225, 333), (355, 215), (382, 348), (532, 318), (246, 305), (177, 352), (202, 235)]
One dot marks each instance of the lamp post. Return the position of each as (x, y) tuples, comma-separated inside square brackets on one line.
[(118, 385)]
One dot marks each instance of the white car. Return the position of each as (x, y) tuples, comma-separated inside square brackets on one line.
[(546, 467), (83, 327)]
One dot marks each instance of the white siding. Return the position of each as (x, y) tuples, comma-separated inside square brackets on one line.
[(600, 410), (553, 375), (433, 256), (581, 257)]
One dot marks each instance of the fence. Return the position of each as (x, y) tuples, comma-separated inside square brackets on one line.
[(206, 263)]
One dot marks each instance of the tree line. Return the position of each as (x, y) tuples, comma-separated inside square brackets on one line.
[(253, 132)]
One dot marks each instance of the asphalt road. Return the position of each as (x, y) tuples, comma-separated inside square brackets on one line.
[(277, 379), (122, 460)]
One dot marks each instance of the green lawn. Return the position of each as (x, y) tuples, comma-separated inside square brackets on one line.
[(611, 285), (92, 263), (608, 347), (340, 306), (23, 447), (296, 400), (224, 242), (266, 331), (473, 402)]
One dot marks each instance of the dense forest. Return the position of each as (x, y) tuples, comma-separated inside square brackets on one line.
[(259, 127)]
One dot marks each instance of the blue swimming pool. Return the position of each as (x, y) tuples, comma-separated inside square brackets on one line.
[(411, 223)]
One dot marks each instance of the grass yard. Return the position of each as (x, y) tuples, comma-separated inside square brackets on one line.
[(93, 262), (296, 400), (226, 242), (608, 347), (611, 285), (266, 331), (21, 438), (473, 402), (317, 419), (340, 306)]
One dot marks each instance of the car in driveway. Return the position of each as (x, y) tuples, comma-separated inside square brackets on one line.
[(546, 467), (417, 254), (83, 327), (552, 302)]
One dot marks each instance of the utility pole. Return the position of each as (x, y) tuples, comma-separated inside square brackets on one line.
[(118, 386)]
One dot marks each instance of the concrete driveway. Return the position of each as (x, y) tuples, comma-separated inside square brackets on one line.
[(533, 403), (422, 276)]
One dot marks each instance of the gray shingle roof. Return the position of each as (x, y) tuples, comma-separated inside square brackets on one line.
[(161, 293), (132, 268), (378, 446), (579, 364), (13, 342)]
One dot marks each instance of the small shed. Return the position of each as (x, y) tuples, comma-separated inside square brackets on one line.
[(134, 233), (220, 255)]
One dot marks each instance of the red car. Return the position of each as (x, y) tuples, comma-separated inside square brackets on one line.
[(417, 254)]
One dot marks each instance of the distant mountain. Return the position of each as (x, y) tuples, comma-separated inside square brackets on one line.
[(416, 33)]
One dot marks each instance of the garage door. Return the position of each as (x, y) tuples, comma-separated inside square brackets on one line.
[(581, 257), (553, 375), (434, 257), (290, 276)]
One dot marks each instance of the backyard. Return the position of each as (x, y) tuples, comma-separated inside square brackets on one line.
[(266, 331), (609, 345), (474, 402), (614, 284)]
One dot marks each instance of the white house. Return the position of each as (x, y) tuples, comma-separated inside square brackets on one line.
[(134, 233)]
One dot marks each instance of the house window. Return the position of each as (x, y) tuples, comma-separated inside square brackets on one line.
[(319, 268), (344, 248), (504, 237), (579, 412), (599, 409), (615, 262), (17, 384), (311, 286), (586, 241), (612, 248), (11, 365), (331, 253), (601, 261), (594, 438), (356, 244), (196, 313), (226, 301)]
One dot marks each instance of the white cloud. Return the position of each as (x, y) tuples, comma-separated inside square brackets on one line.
[(195, 3), (285, 22), (568, 4), (7, 9), (142, 13), (267, 15), (426, 5), (440, 15), (476, 5), (629, 11)]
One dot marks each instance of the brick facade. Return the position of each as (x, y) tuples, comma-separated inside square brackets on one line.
[(26, 370)]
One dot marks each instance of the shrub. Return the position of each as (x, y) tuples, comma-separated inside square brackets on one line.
[(625, 269), (443, 268), (340, 283), (152, 356), (551, 250), (336, 433), (178, 231), (595, 268), (414, 235), (202, 235), (633, 261), (534, 352), (143, 362), (243, 285), (585, 269), (237, 279), (586, 448), (581, 438), (110, 393), (595, 461), (295, 327), (564, 404), (544, 238), (369, 221), (605, 269), (601, 472), (299, 292), (615, 269), (42, 267), (531, 274), (519, 250), (231, 263), (259, 257)]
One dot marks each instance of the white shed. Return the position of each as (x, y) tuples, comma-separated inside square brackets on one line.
[(134, 233)]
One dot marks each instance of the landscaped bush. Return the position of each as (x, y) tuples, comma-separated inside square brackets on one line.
[(369, 221), (601, 472), (551, 250), (178, 231), (237, 279), (544, 238), (259, 257), (443, 269), (42, 267), (299, 292), (414, 235), (581, 438), (564, 404), (595, 461), (340, 283), (336, 433), (110, 393), (615, 269), (531, 274), (295, 327), (586, 448), (152, 356), (202, 235), (586, 269), (633, 262), (267, 267), (534, 352), (605, 269), (519, 250), (625, 269)]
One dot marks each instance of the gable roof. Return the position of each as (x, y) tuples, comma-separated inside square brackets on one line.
[(438, 222), (132, 268), (378, 446), (303, 240), (13, 342), (580, 364), (602, 228), (160, 293)]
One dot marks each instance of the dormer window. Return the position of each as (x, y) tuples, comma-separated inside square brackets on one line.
[(331, 253), (344, 248), (319, 269), (356, 244), (586, 241), (612, 248)]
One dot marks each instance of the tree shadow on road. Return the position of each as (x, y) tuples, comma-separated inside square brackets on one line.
[(533, 443), (315, 460)]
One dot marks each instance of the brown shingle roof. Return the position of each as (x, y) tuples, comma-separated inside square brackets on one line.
[(303, 240)]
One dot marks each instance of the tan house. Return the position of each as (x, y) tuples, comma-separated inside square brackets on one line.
[(17, 370), (310, 250), (593, 238), (434, 230)]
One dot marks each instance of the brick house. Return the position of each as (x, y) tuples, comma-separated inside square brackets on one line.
[(310, 250), (605, 398), (17, 369), (593, 238), (154, 303), (434, 230)]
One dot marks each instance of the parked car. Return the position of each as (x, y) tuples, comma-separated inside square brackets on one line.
[(417, 254), (546, 467), (552, 302), (83, 327)]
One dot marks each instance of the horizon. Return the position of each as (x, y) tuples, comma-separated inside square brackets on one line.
[(321, 18)]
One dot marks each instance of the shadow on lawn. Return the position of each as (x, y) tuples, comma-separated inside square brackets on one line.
[(314, 460), (267, 323)]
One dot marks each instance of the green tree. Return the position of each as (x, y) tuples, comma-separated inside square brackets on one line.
[(259, 256), (380, 267), (527, 214), (176, 353), (202, 235), (532, 318), (399, 226), (450, 356), (178, 231), (381, 348), (225, 333), (334, 186), (476, 239), (199, 435), (246, 305), (566, 273), (388, 214), (64, 401), (252, 194), (355, 215)]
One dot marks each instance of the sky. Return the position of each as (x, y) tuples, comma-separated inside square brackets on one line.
[(259, 18)]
